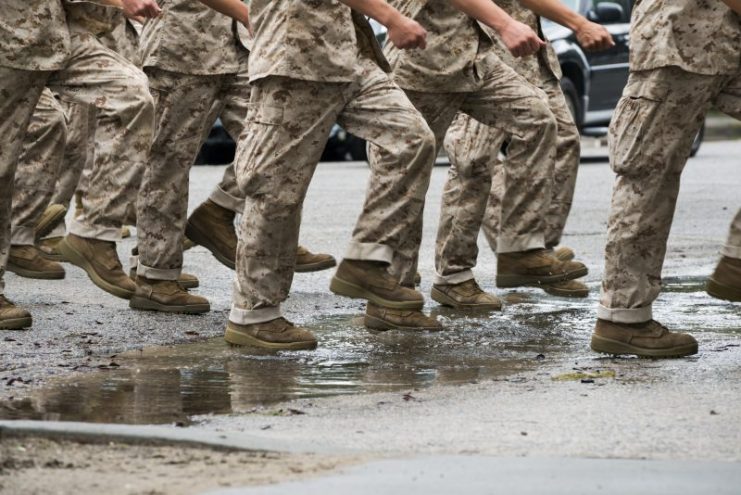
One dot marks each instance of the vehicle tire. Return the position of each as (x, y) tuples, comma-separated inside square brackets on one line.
[(573, 101), (698, 141)]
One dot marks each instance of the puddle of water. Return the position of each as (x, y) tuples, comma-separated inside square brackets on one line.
[(173, 384)]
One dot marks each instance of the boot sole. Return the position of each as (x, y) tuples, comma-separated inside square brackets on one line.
[(353, 291), (721, 291), (77, 259), (46, 225), (146, 304), (235, 337), (444, 299), (16, 323), (23, 272), (197, 237), (614, 347), (184, 285), (508, 281), (315, 267), (576, 294), (381, 325)]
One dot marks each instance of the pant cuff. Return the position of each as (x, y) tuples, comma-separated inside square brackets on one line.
[(111, 234), (226, 200), (22, 236), (731, 251), (520, 243), (251, 316), (453, 278), (624, 315), (59, 231), (369, 252), (156, 273)]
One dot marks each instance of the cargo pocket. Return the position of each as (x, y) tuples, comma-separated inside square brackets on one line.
[(259, 142), (636, 135)]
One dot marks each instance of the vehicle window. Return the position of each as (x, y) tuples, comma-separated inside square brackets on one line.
[(625, 4)]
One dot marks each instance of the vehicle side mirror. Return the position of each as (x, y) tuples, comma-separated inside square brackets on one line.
[(606, 13)]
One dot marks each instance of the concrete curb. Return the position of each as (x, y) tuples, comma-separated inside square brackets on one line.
[(155, 435)]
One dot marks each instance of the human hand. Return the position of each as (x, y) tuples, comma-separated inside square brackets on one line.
[(593, 37), (405, 33), (520, 40)]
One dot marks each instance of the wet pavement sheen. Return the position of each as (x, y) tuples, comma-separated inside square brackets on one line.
[(535, 333)]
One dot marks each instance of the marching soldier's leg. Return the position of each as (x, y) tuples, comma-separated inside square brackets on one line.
[(212, 223), (464, 198), (655, 122), (182, 102), (19, 93), (568, 151), (287, 126), (123, 135), (402, 154), (35, 178), (725, 283)]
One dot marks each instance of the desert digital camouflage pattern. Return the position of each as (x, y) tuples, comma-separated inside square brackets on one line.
[(294, 39), (288, 126), (33, 35), (38, 167), (190, 38), (695, 35), (662, 108)]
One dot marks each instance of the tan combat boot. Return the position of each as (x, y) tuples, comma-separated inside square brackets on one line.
[(306, 261), (212, 226), (569, 288), (276, 334), (12, 317), (167, 296), (650, 339), (371, 280), (725, 282), (49, 249), (466, 295), (536, 267), (26, 261), (382, 319), (100, 260), (52, 216)]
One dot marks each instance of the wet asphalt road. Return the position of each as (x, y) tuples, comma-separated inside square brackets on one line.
[(537, 350)]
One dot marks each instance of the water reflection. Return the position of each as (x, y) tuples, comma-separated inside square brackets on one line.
[(173, 384)]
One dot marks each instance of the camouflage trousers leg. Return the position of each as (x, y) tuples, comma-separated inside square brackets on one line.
[(19, 93), (509, 103), (650, 137), (232, 109), (183, 103), (38, 168), (124, 113), (287, 128), (568, 150), (78, 156)]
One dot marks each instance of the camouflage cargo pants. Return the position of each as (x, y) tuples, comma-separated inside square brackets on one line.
[(287, 128), (185, 107), (472, 145), (124, 120), (20, 91), (38, 167), (505, 101), (651, 135)]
